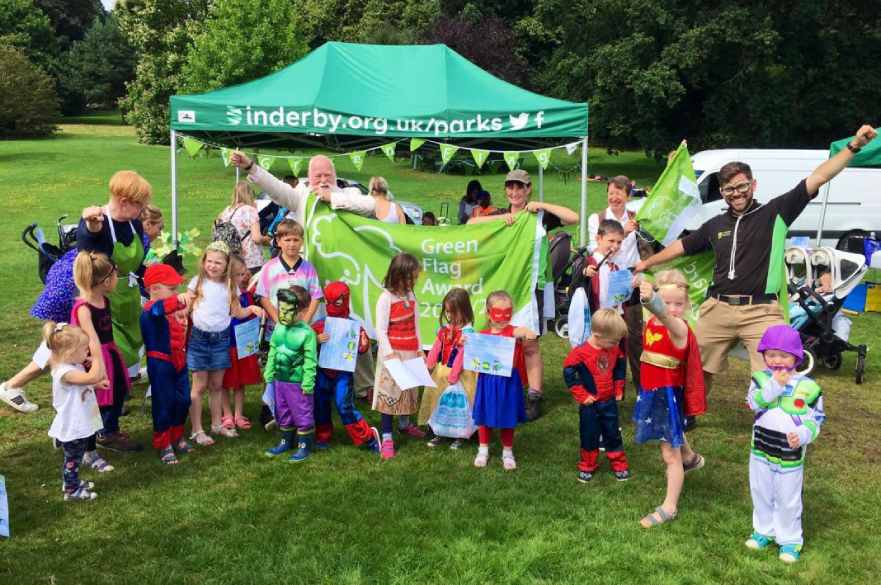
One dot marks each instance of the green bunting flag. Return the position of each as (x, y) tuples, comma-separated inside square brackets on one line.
[(543, 157), (357, 158), (389, 150), (224, 155), (447, 152), (192, 146), (415, 143), (296, 163), (572, 147), (265, 160), (512, 158), (479, 155)]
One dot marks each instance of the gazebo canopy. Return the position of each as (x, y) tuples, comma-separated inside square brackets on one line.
[(348, 95)]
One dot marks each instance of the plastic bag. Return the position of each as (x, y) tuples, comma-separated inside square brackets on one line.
[(578, 318), (452, 417)]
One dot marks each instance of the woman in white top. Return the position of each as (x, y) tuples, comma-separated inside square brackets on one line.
[(386, 211), (242, 213)]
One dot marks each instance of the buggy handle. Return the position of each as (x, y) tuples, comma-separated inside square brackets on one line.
[(28, 237), (805, 293)]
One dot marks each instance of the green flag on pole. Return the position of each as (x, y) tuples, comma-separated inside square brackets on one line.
[(777, 282), (389, 150), (673, 200), (357, 159), (296, 163), (447, 152), (415, 143), (192, 146), (511, 158), (479, 155), (266, 161), (224, 156), (543, 157)]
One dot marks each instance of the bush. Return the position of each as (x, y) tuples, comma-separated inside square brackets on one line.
[(28, 102)]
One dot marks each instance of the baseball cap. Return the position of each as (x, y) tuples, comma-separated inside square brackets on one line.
[(518, 175), (161, 274)]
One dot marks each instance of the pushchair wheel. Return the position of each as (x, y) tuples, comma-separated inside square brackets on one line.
[(807, 364), (561, 327), (832, 362), (861, 365)]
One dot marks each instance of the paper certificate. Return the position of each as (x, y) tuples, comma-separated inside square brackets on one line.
[(247, 338), (620, 287), (409, 374), (489, 354), (340, 352)]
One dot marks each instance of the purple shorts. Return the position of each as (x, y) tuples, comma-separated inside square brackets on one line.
[(293, 409)]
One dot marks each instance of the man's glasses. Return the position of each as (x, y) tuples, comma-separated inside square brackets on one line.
[(740, 189)]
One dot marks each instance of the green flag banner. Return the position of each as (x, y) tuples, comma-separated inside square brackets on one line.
[(192, 146), (266, 161), (357, 158), (778, 280), (296, 163), (224, 155), (543, 157), (511, 158), (389, 150), (479, 155), (480, 258), (415, 143), (447, 152), (698, 270), (673, 200)]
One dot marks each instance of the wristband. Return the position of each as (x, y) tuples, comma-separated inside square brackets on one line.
[(853, 149), (655, 305), (249, 167)]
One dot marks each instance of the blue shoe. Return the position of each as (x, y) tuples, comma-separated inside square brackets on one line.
[(285, 444), (789, 553), (304, 446), (757, 541)]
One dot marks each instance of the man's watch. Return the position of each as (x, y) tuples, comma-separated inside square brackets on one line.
[(853, 149), (251, 166)]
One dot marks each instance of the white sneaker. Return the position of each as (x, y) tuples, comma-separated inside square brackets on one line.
[(224, 432), (481, 459), (16, 398)]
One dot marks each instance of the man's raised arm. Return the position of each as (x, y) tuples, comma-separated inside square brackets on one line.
[(830, 168), (278, 190)]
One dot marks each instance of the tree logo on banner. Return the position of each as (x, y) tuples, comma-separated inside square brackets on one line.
[(266, 161), (296, 163), (512, 158), (389, 150), (543, 157), (447, 152), (357, 158)]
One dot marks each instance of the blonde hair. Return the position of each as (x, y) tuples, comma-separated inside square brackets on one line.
[(151, 213), (91, 269), (378, 185), (670, 279), (130, 186), (231, 286), (499, 295), (236, 262), (63, 339), (242, 195), (609, 324)]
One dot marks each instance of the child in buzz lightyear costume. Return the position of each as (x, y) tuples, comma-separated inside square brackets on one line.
[(789, 412), (290, 369)]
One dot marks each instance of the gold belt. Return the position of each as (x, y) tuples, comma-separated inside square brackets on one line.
[(659, 359)]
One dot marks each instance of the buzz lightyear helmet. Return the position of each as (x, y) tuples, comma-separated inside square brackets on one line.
[(782, 338)]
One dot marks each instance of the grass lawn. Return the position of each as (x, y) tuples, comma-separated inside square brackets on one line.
[(229, 515)]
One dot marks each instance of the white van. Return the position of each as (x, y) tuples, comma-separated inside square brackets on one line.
[(854, 195)]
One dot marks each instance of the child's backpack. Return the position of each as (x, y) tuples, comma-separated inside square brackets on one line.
[(226, 232)]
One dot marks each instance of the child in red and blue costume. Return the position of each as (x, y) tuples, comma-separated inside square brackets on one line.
[(164, 327), (336, 385)]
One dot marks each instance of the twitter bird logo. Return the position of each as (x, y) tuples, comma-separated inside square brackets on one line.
[(519, 122)]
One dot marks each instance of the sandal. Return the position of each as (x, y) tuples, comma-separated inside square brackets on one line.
[(202, 439), (183, 446), (228, 422), (224, 432), (694, 463), (168, 457), (94, 460), (656, 518), (243, 423)]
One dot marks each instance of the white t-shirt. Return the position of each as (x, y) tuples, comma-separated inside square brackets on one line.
[(77, 415), (628, 254), (212, 311)]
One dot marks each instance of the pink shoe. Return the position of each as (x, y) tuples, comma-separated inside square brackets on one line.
[(387, 451), (414, 432)]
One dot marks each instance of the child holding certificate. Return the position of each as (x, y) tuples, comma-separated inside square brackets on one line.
[(499, 402)]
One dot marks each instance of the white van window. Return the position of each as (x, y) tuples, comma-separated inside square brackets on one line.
[(709, 188)]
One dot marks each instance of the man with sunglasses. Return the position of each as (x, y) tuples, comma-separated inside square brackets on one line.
[(737, 307)]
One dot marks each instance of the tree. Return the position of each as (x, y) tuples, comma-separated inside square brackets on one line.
[(242, 40), (24, 25), (28, 104), (71, 18), (161, 32), (98, 67)]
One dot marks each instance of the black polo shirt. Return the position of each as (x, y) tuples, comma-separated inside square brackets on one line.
[(752, 249)]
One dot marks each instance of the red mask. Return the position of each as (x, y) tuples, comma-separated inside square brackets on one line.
[(336, 298), (500, 315)]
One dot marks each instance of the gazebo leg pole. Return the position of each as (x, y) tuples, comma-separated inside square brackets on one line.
[(582, 218), (541, 183), (174, 188)]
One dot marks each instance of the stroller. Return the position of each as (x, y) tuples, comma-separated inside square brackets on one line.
[(48, 254), (565, 264), (819, 321)]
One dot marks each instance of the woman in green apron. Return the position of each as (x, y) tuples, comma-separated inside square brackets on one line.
[(115, 229)]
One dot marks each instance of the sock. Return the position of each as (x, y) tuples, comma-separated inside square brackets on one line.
[(507, 452), (483, 449), (387, 424), (386, 436)]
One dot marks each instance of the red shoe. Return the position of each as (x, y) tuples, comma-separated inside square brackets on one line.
[(387, 451), (414, 432)]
